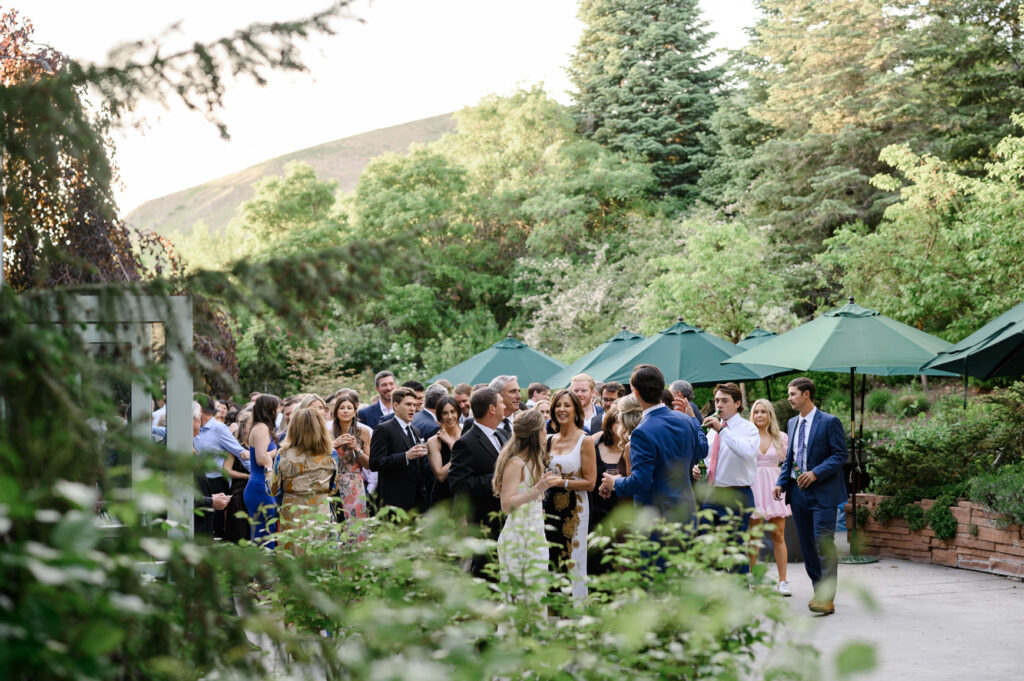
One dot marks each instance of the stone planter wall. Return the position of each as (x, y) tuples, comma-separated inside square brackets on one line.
[(991, 549)]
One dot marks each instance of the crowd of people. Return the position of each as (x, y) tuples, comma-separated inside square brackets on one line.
[(539, 475)]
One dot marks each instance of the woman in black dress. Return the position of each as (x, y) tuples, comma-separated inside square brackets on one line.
[(439, 447)]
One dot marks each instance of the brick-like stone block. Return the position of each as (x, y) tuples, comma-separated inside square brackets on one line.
[(1013, 568), (1009, 535), (972, 563), (1010, 550), (962, 515), (970, 542), (944, 557)]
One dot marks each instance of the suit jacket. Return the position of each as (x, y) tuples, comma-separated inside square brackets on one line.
[(662, 450), (595, 423), (424, 422), (826, 456), (370, 415), (400, 483), (471, 475)]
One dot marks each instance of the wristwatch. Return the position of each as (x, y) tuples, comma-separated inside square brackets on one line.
[(565, 483)]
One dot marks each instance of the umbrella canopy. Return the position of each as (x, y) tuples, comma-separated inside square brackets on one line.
[(680, 351), (620, 342), (755, 338), (508, 357), (851, 337), (996, 349), (752, 340)]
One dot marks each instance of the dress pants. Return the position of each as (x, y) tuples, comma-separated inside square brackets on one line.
[(816, 527), (740, 500)]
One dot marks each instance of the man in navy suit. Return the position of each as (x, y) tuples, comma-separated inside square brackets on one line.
[(426, 419), (662, 449), (812, 481), (372, 414)]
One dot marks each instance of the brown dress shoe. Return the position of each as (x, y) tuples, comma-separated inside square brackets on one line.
[(823, 607)]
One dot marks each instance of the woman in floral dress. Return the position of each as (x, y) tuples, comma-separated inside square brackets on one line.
[(305, 471), (352, 444)]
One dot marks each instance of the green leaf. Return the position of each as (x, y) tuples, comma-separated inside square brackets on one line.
[(855, 658)]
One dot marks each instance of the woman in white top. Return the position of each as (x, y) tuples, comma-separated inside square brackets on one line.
[(573, 457)]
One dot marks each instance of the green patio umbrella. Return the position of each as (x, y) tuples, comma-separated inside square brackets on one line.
[(509, 357), (680, 351), (752, 340), (755, 338), (618, 343), (851, 338), (996, 349)]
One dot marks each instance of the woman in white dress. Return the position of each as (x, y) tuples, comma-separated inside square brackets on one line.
[(568, 507), (522, 547)]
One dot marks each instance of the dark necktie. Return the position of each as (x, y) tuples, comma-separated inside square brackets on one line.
[(506, 428)]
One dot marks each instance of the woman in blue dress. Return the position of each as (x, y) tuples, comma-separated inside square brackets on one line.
[(262, 447)]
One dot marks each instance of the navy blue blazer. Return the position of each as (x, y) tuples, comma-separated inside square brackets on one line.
[(826, 456), (424, 422), (370, 415), (662, 450)]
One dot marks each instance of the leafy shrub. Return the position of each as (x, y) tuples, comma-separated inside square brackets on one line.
[(910, 404), (837, 403), (940, 518), (1001, 491), (944, 449), (878, 401)]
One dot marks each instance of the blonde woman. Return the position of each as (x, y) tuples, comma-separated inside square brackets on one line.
[(630, 415), (520, 481), (306, 470), (314, 401), (768, 509)]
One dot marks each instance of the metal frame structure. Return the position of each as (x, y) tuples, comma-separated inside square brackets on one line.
[(130, 321)]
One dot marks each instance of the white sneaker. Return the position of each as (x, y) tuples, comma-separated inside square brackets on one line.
[(783, 588)]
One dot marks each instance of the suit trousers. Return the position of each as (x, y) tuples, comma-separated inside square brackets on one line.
[(732, 502), (815, 528)]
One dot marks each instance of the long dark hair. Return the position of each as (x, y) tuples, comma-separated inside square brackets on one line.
[(577, 407), (352, 397), (264, 410), (441, 404)]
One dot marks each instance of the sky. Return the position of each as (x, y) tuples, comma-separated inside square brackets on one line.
[(406, 60)]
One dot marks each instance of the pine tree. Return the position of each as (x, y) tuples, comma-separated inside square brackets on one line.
[(645, 86)]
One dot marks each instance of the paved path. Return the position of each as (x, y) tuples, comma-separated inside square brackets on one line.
[(928, 623)]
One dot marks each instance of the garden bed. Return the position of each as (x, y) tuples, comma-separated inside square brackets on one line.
[(980, 542)]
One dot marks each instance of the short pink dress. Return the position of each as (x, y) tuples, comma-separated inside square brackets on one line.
[(768, 470)]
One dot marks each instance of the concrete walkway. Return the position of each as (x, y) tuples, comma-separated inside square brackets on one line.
[(926, 622)]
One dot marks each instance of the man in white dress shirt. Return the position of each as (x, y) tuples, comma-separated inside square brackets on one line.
[(733, 443)]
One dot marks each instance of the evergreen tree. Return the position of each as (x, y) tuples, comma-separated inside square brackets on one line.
[(645, 87)]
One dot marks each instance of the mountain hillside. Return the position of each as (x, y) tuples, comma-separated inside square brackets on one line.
[(215, 202)]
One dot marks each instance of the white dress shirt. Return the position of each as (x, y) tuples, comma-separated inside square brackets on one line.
[(737, 454), (491, 433)]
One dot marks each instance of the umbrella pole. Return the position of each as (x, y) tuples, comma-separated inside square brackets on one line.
[(965, 382), (768, 387), (851, 527)]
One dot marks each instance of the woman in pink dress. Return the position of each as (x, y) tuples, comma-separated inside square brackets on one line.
[(769, 510)]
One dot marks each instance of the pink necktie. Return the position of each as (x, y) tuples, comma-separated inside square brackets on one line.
[(713, 463)]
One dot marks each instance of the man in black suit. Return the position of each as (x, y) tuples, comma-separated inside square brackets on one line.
[(397, 454), (472, 468), (425, 421), (372, 414)]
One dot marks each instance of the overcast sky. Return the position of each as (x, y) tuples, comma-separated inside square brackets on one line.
[(410, 59)]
